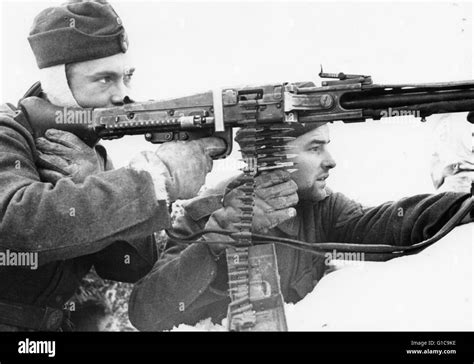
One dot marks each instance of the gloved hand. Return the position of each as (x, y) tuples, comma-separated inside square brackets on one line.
[(62, 154), (275, 196), (178, 168)]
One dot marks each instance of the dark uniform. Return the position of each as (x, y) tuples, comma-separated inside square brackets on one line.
[(115, 215), (187, 284), (106, 222)]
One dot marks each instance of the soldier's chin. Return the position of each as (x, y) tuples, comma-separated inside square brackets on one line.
[(319, 191), (315, 193)]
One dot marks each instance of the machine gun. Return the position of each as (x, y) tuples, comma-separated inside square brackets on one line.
[(350, 98), (264, 114)]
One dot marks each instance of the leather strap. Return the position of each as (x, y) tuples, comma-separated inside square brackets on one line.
[(31, 317)]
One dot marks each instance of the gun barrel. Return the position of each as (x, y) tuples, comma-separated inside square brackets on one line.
[(363, 100), (350, 99)]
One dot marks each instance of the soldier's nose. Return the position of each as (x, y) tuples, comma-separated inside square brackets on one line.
[(329, 162), (119, 101), (127, 100)]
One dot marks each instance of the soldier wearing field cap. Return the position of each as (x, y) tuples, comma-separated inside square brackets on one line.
[(61, 199), (189, 283)]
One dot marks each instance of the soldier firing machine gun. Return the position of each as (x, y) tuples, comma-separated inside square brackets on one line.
[(265, 114)]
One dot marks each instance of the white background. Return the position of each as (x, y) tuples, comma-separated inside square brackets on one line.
[(185, 47)]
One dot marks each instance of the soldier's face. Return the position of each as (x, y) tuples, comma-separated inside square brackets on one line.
[(313, 162), (103, 82)]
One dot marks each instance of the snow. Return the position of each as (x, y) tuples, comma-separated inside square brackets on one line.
[(204, 325), (429, 291)]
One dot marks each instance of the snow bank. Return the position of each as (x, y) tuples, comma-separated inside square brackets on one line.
[(430, 291)]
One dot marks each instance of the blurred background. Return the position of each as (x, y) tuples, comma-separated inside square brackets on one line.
[(181, 48)]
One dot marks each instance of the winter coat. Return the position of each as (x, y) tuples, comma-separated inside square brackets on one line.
[(106, 222), (187, 284)]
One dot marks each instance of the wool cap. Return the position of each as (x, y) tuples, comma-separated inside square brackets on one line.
[(302, 128), (76, 32)]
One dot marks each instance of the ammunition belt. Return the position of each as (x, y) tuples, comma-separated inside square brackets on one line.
[(254, 285)]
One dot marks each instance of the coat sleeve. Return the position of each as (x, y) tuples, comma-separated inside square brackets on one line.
[(68, 220), (180, 289), (404, 222), (124, 261)]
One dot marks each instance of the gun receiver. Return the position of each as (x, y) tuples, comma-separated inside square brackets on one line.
[(350, 98)]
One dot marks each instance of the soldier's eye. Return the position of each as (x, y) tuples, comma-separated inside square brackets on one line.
[(104, 80)]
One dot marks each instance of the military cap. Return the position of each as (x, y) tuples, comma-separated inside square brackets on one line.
[(76, 32), (299, 129)]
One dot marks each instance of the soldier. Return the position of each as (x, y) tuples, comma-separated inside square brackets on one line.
[(452, 161), (62, 200), (189, 282)]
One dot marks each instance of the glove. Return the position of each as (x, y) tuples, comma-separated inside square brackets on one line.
[(179, 168), (275, 196), (456, 177), (62, 154)]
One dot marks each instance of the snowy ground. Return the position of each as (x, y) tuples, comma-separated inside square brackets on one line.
[(430, 291)]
